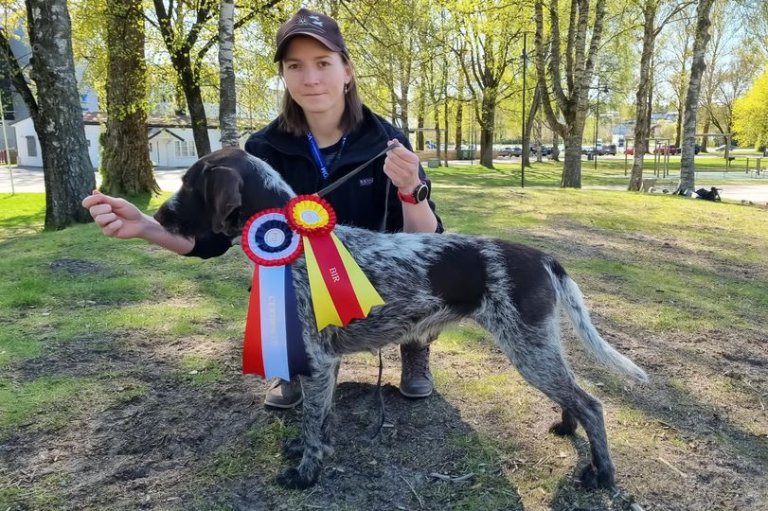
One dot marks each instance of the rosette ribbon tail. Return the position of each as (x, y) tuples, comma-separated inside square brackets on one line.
[(340, 290), (273, 346)]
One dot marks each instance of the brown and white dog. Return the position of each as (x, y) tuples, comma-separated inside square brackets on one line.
[(427, 281)]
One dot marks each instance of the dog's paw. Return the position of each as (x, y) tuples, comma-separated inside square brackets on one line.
[(593, 479), (293, 449), (291, 478), (562, 429)]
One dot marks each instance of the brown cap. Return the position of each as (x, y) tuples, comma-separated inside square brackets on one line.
[(313, 24)]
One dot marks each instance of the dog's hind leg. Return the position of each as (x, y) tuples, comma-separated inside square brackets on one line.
[(318, 400), (566, 426), (540, 360)]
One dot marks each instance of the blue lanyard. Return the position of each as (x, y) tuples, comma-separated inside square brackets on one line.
[(319, 160)]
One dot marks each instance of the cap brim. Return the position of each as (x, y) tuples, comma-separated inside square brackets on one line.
[(284, 45)]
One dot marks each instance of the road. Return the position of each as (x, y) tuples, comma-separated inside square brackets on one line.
[(27, 179)]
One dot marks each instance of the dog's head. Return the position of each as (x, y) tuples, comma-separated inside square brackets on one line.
[(220, 192)]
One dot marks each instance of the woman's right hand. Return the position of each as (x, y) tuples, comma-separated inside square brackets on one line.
[(117, 217)]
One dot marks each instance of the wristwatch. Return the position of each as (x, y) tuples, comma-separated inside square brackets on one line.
[(418, 194)]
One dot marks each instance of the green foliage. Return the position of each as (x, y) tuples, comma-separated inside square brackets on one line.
[(751, 114)]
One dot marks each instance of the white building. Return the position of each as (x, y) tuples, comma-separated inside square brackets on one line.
[(171, 143)]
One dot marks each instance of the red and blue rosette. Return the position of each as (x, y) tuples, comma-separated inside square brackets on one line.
[(340, 290), (273, 345)]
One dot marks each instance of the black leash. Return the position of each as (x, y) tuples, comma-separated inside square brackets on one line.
[(331, 187), (380, 397), (328, 189)]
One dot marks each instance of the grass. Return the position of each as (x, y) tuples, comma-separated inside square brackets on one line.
[(614, 171), (658, 264)]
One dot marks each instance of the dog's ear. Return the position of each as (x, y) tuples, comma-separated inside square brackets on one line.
[(222, 188)]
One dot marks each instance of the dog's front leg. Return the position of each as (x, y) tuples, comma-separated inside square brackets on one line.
[(318, 400)]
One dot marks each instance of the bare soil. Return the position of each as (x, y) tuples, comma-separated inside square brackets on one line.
[(166, 440)]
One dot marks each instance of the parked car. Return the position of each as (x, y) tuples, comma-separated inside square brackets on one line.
[(517, 151), (629, 151), (610, 149), (505, 152), (666, 149)]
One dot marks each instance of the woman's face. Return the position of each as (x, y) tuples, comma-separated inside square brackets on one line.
[(315, 76)]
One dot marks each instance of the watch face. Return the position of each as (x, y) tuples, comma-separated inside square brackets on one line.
[(421, 192)]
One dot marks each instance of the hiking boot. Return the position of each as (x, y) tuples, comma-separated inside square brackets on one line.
[(284, 394), (415, 378)]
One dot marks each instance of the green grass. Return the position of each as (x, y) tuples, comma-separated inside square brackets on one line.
[(649, 263), (615, 171)]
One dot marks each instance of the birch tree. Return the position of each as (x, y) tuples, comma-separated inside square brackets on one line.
[(227, 94), (55, 108), (698, 65), (656, 15), (181, 24)]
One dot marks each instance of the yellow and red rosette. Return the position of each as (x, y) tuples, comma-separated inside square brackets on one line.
[(340, 290)]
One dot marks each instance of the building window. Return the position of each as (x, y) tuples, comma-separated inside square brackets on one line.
[(185, 149), (31, 146)]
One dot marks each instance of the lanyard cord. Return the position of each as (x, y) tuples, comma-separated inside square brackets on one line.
[(325, 170)]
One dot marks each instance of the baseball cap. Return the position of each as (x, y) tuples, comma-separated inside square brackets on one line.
[(312, 24)]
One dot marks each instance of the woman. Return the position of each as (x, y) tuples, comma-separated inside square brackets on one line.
[(323, 132)]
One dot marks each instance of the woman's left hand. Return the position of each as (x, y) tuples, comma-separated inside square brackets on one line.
[(402, 167)]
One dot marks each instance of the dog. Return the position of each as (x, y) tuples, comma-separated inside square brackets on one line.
[(649, 185), (427, 281)]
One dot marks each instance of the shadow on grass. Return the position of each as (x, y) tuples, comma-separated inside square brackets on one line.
[(159, 433)]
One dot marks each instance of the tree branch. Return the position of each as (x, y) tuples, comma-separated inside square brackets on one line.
[(17, 75)]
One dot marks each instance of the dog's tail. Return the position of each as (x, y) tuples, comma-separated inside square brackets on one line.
[(573, 302)]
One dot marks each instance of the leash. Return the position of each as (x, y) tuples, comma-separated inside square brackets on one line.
[(380, 397), (325, 191), (331, 187)]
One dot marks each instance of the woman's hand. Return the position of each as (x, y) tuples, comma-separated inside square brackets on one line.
[(117, 218), (402, 167)]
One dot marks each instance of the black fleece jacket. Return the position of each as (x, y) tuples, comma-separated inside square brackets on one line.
[(359, 202)]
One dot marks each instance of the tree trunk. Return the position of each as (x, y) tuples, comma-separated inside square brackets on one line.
[(487, 125), (188, 76), (405, 84), (125, 165), (194, 95), (575, 73), (227, 93), (537, 140), (642, 96), (572, 164), (438, 140), (420, 123), (528, 127), (67, 169), (555, 147), (459, 111), (701, 39), (705, 130)]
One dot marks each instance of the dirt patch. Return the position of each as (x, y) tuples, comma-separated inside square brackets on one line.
[(692, 440), (74, 267)]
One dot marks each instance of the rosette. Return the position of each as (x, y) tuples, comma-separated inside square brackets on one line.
[(340, 290), (268, 239), (273, 345), (310, 215)]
